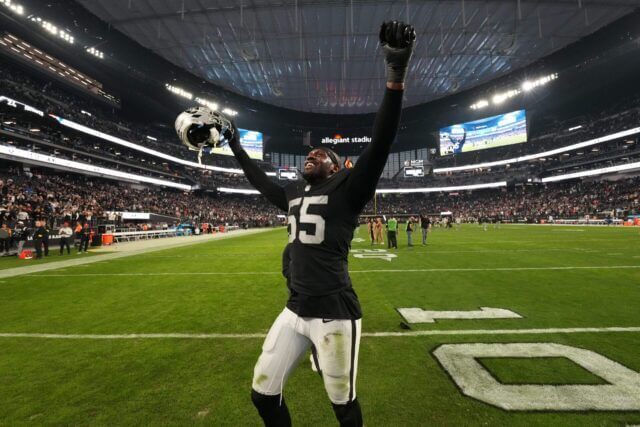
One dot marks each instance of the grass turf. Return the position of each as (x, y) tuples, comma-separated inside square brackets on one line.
[(54, 255), (187, 381)]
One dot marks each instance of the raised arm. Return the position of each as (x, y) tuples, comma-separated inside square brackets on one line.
[(256, 176), (397, 40)]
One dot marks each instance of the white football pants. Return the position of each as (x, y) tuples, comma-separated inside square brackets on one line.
[(336, 343)]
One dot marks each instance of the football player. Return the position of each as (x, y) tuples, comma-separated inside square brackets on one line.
[(323, 311)]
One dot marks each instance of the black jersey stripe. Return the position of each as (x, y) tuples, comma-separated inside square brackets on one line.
[(353, 357)]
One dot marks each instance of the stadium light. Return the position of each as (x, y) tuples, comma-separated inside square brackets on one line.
[(213, 106), (526, 86), (210, 105), (95, 52), (14, 7), (52, 29), (179, 91), (47, 26), (480, 104)]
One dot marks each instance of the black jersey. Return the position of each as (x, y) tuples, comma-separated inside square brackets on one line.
[(322, 219), (321, 222)]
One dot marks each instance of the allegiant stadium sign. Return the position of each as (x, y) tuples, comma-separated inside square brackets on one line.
[(339, 139)]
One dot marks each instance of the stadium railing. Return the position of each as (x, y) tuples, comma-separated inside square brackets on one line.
[(142, 235)]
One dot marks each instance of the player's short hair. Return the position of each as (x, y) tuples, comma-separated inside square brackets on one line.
[(335, 159)]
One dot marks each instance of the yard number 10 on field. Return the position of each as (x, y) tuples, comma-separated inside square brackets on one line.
[(461, 362)]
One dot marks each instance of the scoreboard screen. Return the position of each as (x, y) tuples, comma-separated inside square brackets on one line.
[(490, 132), (250, 140)]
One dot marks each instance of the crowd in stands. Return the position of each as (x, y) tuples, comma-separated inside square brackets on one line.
[(526, 203), (41, 195)]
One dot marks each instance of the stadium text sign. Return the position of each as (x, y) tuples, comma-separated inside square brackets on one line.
[(339, 139)]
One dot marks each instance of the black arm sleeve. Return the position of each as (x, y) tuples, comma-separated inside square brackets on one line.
[(269, 189), (361, 184)]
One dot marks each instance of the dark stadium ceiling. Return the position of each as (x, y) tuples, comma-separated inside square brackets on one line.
[(323, 56)]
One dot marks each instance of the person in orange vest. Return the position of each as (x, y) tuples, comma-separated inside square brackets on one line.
[(77, 234)]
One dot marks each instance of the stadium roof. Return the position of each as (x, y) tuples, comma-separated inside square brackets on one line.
[(321, 55)]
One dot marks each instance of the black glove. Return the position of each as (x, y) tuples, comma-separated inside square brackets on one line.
[(397, 40), (234, 140)]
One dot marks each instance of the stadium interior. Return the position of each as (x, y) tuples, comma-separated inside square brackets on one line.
[(90, 89)]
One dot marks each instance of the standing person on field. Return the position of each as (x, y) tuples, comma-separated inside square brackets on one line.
[(20, 235), (66, 236), (77, 232), (38, 237), (45, 240), (323, 309), (378, 231), (425, 222), (392, 230), (5, 238), (370, 231), (85, 236), (409, 231)]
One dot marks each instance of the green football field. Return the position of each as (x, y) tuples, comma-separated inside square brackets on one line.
[(565, 352)]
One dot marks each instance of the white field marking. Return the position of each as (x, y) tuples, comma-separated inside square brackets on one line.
[(594, 226), (479, 242), (427, 252), (421, 270), (541, 331), (621, 393), (418, 315)]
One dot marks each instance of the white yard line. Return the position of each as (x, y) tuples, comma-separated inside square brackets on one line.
[(123, 250), (419, 270), (364, 334)]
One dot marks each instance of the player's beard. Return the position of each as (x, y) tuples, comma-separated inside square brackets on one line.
[(314, 176)]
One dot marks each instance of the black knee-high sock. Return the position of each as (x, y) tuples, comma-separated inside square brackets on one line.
[(349, 415), (272, 412)]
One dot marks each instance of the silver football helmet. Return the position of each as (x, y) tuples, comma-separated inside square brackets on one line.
[(199, 127)]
